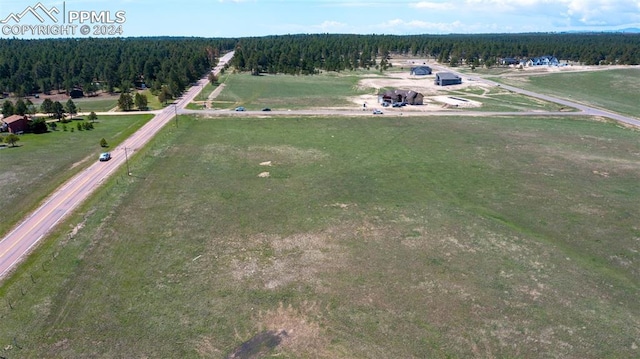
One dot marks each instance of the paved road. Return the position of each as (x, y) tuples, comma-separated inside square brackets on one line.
[(585, 110), (18, 243), (25, 236)]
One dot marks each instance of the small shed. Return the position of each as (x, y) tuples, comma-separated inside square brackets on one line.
[(421, 70), (15, 123), (447, 78)]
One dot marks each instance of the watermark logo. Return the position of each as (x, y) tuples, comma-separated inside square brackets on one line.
[(38, 20), (34, 11)]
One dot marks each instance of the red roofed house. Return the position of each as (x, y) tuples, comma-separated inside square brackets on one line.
[(15, 123)]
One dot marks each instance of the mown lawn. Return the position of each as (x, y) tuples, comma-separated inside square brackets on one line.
[(371, 237), (40, 163)]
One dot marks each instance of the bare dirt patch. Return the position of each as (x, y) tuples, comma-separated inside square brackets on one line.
[(285, 154), (274, 261), (433, 94), (285, 331)]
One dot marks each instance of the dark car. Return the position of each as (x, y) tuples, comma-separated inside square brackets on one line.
[(266, 109)]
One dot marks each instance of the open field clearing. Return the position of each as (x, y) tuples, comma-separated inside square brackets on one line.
[(42, 162), (286, 91), (615, 89), (102, 103), (347, 238), (351, 91)]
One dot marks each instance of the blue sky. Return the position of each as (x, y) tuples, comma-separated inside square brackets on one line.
[(240, 18)]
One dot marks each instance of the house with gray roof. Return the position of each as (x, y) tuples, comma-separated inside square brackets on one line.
[(546, 60), (421, 70), (447, 78)]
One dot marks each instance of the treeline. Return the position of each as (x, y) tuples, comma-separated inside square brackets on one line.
[(169, 64), (306, 54), (42, 66)]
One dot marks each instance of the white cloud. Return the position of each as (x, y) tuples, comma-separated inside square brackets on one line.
[(419, 26), (427, 5), (570, 12), (574, 12), (330, 26)]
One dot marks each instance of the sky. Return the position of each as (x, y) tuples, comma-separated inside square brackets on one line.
[(242, 18)]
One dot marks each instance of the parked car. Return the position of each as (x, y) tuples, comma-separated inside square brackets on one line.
[(240, 108), (377, 112), (105, 156)]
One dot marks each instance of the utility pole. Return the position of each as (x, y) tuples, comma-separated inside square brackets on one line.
[(175, 111), (126, 157)]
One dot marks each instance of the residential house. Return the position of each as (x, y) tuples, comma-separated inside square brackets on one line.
[(15, 124), (507, 61), (421, 70), (402, 96), (546, 60)]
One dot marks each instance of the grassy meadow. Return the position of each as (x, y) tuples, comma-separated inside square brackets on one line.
[(497, 99), (87, 104), (615, 89), (282, 92), (40, 163), (379, 237)]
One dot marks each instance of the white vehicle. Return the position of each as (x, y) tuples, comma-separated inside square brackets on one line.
[(105, 156)]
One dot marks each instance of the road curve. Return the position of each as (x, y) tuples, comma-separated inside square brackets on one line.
[(25, 236), (585, 110)]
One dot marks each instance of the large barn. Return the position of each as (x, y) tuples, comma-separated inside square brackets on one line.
[(398, 96), (447, 78)]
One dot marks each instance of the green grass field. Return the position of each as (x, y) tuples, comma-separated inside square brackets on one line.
[(30, 172), (281, 92), (96, 105), (616, 90), (500, 100), (87, 104), (371, 238)]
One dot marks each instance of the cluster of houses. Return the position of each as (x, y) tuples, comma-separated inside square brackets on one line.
[(546, 60), (448, 78), (410, 97)]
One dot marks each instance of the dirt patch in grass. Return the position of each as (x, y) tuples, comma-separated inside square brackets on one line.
[(274, 262), (285, 154), (258, 346), (299, 331), (433, 94), (282, 331)]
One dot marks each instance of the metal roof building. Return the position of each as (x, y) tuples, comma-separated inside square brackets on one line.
[(447, 78)]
